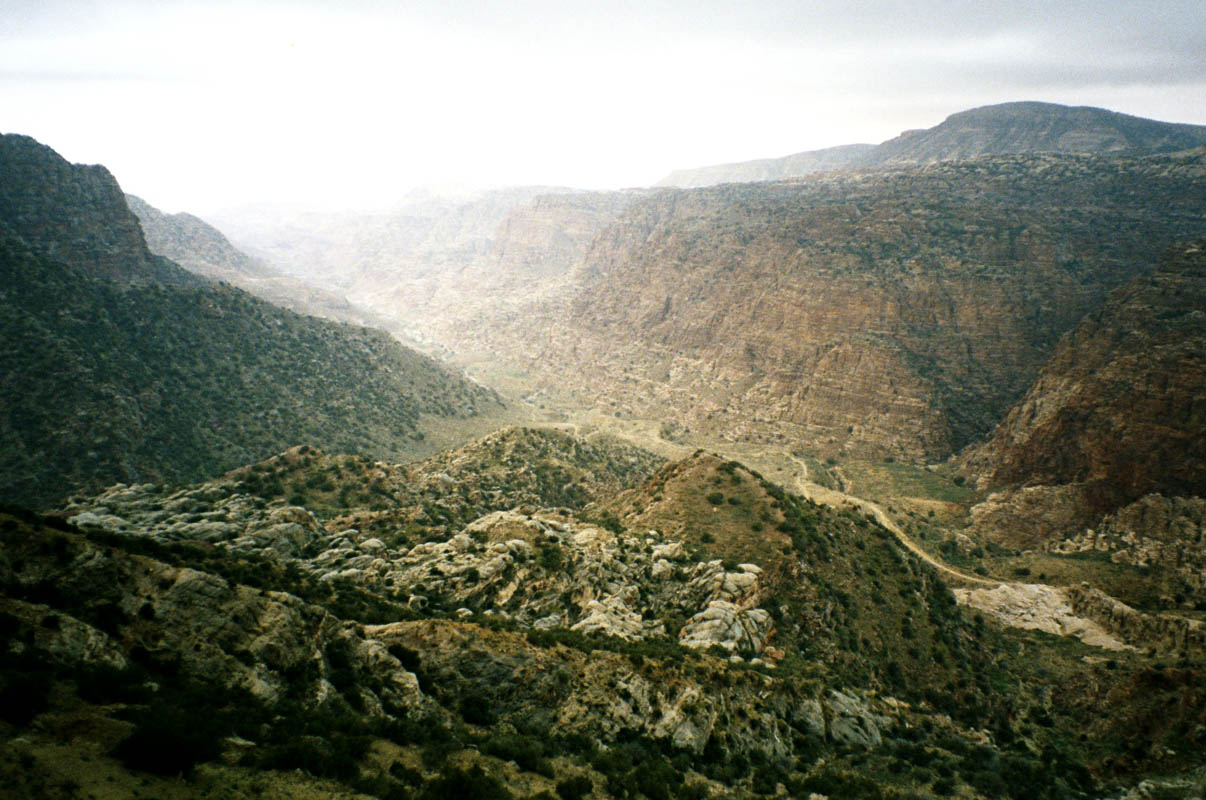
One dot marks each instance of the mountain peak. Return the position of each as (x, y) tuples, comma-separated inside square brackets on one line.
[(1031, 127), (75, 215)]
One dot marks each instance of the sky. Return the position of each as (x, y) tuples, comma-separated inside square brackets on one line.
[(207, 106)]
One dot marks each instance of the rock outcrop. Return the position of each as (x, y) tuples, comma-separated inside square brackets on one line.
[(115, 608), (1154, 532)]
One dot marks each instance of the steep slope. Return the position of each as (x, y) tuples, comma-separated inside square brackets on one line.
[(119, 365), (895, 312), (75, 215), (1023, 127), (194, 244), (1117, 413)]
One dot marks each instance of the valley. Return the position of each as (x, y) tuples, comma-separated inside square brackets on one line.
[(881, 481)]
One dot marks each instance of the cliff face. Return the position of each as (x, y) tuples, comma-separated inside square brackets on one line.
[(1026, 127), (436, 264), (1118, 412), (74, 214), (894, 312)]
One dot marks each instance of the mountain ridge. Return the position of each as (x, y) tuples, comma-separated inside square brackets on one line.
[(1015, 127)]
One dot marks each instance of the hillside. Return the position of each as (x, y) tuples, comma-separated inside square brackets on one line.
[(890, 313), (1116, 413), (1023, 127), (119, 365)]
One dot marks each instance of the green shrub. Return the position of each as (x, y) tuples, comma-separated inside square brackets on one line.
[(470, 784), (526, 751), (574, 788), (169, 741), (476, 709), (23, 696)]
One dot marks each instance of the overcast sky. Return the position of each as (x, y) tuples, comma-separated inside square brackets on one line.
[(200, 106)]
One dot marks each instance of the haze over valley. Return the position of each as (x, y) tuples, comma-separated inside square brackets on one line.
[(819, 469)]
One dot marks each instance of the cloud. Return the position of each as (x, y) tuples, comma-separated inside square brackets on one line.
[(190, 103)]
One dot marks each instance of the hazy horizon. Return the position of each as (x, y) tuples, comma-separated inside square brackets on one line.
[(207, 107)]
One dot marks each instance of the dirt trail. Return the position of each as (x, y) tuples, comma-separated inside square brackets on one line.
[(831, 497)]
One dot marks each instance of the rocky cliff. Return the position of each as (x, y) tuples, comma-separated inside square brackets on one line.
[(75, 215), (436, 264), (1117, 412), (1024, 127), (895, 312)]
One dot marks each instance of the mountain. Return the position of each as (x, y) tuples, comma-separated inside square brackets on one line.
[(194, 244), (118, 365), (75, 215), (1024, 127), (896, 313), (1117, 413), (1030, 127)]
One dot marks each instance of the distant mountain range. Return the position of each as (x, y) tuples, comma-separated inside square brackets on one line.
[(1026, 127)]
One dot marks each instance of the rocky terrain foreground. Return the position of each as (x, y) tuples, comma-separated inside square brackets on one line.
[(468, 626)]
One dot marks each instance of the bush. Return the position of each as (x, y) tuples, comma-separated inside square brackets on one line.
[(715, 498), (476, 710), (470, 784), (526, 751), (23, 697), (169, 741), (574, 788)]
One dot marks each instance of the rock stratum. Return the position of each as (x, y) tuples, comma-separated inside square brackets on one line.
[(1116, 415)]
